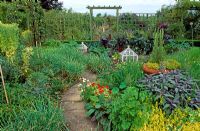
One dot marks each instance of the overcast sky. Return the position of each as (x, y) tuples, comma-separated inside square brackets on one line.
[(136, 6)]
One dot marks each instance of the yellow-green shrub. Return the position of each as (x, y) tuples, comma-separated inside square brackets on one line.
[(191, 126), (171, 64), (9, 39), (26, 54), (27, 37), (180, 119), (152, 65), (157, 121)]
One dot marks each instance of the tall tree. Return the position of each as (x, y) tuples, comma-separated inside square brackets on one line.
[(46, 4)]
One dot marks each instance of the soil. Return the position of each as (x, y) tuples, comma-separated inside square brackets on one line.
[(74, 111)]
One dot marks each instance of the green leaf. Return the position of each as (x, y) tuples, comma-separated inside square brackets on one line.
[(94, 98), (90, 112), (88, 106), (100, 114), (115, 90), (169, 95), (166, 106), (125, 125), (122, 85), (98, 106)]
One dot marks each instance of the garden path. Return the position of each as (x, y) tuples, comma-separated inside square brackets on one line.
[(74, 111)]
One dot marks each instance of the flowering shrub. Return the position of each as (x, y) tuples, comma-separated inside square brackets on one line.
[(101, 90), (97, 98)]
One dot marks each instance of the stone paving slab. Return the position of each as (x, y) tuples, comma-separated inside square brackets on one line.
[(74, 110)]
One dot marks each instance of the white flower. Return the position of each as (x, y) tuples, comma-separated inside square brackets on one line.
[(80, 85)]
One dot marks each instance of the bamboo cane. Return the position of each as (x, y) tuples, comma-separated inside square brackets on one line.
[(3, 83)]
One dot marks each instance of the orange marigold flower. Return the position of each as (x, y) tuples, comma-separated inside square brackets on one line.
[(93, 84)]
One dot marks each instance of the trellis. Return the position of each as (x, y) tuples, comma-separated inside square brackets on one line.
[(91, 8), (131, 19)]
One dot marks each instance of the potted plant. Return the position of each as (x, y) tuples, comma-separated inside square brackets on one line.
[(157, 63)]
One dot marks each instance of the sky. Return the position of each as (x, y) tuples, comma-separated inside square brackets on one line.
[(132, 6)]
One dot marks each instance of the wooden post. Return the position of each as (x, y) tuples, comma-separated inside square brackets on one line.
[(3, 84), (91, 15), (101, 7), (117, 14)]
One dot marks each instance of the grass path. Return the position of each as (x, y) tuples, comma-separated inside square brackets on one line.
[(74, 108)]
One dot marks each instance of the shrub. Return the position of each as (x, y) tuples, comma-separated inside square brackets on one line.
[(191, 126), (189, 60), (126, 74), (173, 89), (10, 71), (98, 99), (9, 39), (52, 43), (26, 54), (156, 121), (180, 119), (174, 46), (130, 107), (171, 64), (158, 53), (153, 65), (27, 37)]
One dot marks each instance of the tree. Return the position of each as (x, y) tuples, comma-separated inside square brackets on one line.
[(46, 4), (51, 4)]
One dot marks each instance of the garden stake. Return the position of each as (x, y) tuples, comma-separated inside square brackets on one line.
[(3, 84)]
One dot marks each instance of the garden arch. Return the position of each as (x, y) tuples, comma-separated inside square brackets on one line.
[(91, 8)]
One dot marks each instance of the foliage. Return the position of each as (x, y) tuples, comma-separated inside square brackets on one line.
[(153, 65), (142, 42), (29, 110), (53, 4), (158, 53), (178, 18), (98, 99), (37, 80), (10, 71), (191, 126), (116, 56), (9, 39), (174, 46), (189, 60), (171, 64), (68, 63), (98, 64), (125, 74), (28, 14), (130, 107), (174, 89), (52, 43), (66, 25), (156, 122), (178, 120), (98, 50), (27, 37), (26, 54), (7, 15)]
